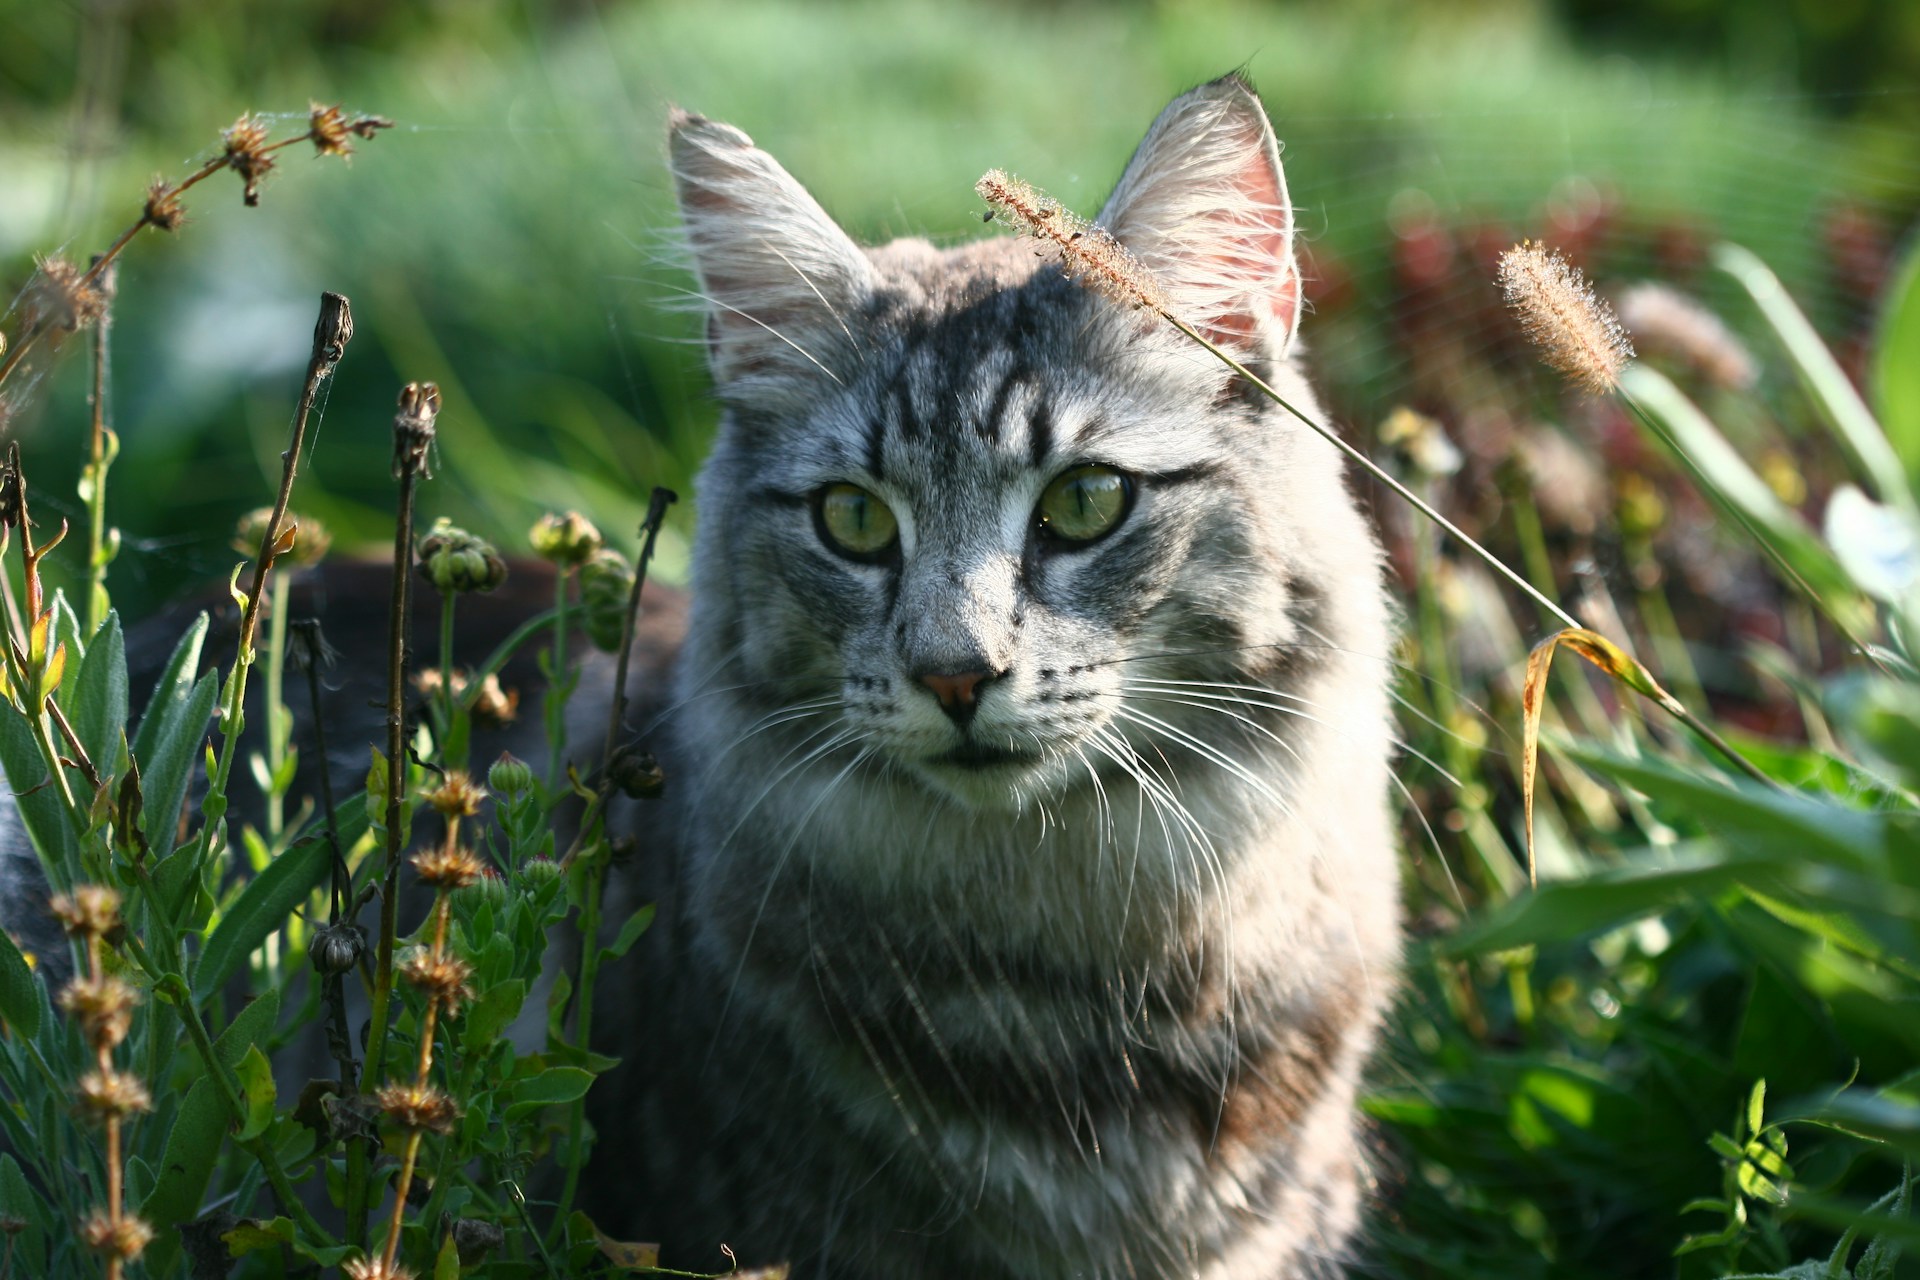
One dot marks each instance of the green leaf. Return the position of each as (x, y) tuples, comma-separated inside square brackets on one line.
[(66, 631), (551, 1087), (98, 707), (251, 1235), (1833, 391), (1730, 483), (41, 808), (171, 690), (1896, 364), (199, 1130), (1757, 1107), (256, 1083), (557, 997), (262, 907), (446, 1264), (19, 1200), (491, 1014), (1565, 909), (1872, 1116), (1790, 826), (19, 990), (186, 1166), (629, 933), (170, 755)]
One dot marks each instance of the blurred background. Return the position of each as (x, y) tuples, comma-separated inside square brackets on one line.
[(1542, 1112), (511, 237)]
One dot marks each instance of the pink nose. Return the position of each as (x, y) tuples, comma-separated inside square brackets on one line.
[(954, 691)]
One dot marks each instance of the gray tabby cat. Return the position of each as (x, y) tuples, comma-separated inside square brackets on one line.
[(1032, 901)]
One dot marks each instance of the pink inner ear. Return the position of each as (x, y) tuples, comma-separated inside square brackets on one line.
[(1256, 246)]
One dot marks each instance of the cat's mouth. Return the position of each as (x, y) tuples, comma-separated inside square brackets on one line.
[(982, 755)]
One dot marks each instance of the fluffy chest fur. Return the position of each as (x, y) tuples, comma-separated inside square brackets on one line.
[(1030, 905)]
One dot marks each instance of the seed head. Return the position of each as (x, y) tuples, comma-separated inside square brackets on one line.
[(310, 538), (374, 1269), (1668, 321), (445, 868), (327, 129), (446, 979), (636, 773), (63, 296), (474, 1238), (1085, 250), (110, 1095), (456, 796), (1576, 331), (418, 1106), (247, 154), (307, 647), (335, 949), (414, 427), (103, 1005), (564, 539), (123, 1238), (456, 561), (163, 208), (91, 910), (606, 585)]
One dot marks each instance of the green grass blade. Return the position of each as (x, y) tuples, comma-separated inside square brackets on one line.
[(1896, 365), (1733, 485), (1848, 414)]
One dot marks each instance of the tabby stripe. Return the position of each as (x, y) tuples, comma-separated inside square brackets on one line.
[(1040, 433)]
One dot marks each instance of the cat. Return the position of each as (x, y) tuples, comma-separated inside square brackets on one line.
[(1028, 901)]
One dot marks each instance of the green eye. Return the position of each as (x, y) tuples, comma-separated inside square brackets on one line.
[(1085, 503), (854, 522)]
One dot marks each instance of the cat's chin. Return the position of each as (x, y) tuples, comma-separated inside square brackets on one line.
[(991, 779)]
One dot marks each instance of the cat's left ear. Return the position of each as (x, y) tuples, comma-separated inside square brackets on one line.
[(1203, 204)]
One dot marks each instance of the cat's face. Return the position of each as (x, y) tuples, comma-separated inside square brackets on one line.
[(974, 521)]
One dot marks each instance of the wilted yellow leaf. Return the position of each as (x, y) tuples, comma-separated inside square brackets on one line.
[(1602, 653)]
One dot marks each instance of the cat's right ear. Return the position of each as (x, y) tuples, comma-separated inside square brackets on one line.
[(777, 274)]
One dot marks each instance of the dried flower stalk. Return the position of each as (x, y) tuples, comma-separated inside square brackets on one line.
[(445, 980), (103, 1005), (66, 298), (414, 431)]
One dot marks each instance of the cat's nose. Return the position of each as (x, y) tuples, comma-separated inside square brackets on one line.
[(958, 692)]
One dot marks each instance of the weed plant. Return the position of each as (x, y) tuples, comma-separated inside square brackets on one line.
[(1689, 1049), (145, 1128)]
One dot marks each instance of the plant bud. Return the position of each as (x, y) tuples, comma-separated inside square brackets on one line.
[(309, 537), (606, 583), (564, 539), (336, 949), (636, 773), (539, 873), (509, 775), (456, 561)]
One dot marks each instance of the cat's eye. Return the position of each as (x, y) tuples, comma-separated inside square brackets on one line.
[(854, 522), (1084, 504)]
